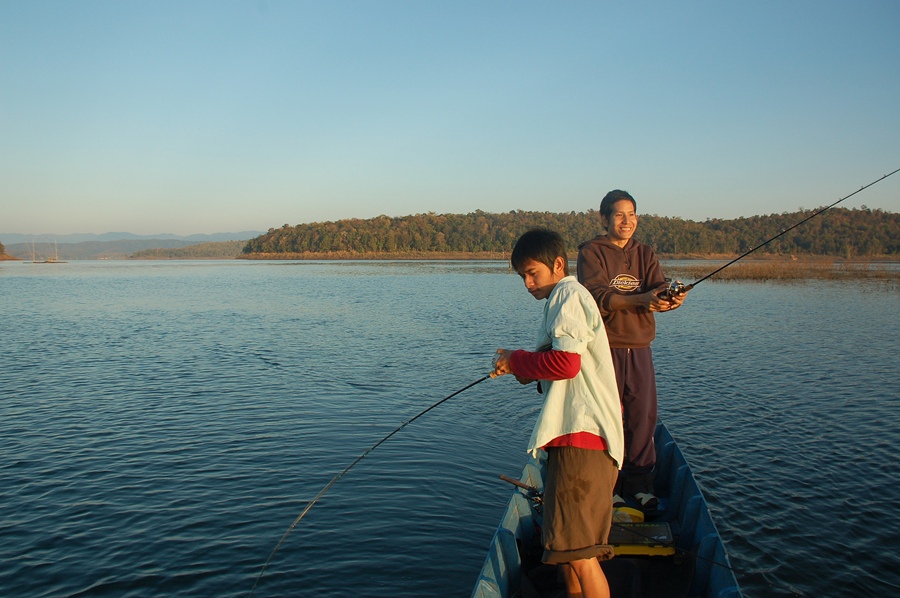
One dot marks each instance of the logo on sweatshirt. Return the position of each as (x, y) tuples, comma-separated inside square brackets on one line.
[(625, 283)]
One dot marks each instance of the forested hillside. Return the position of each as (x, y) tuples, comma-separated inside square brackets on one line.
[(3, 255), (212, 250), (836, 232)]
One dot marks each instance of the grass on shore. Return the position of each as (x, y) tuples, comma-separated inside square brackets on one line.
[(759, 269), (380, 255), (787, 269), (685, 268)]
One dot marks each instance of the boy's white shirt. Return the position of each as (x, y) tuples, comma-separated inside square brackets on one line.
[(589, 402)]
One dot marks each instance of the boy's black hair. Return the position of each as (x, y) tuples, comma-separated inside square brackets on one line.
[(606, 205), (541, 245)]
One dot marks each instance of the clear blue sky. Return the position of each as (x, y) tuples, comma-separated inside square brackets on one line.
[(223, 115)]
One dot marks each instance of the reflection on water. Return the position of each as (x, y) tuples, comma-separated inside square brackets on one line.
[(164, 422)]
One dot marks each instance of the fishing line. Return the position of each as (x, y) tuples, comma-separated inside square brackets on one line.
[(348, 468), (677, 288)]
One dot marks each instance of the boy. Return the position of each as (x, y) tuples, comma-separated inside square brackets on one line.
[(580, 423), (627, 282)]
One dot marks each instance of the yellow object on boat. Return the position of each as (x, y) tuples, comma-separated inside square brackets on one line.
[(640, 538), (627, 515)]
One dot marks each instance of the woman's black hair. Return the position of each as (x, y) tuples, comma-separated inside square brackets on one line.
[(606, 205)]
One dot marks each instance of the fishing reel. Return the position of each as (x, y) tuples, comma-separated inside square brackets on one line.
[(673, 288)]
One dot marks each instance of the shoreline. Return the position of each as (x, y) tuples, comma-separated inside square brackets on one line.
[(677, 266), (504, 256), (758, 268), (818, 268)]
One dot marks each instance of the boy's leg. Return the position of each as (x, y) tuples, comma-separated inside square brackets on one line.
[(585, 579), (577, 505)]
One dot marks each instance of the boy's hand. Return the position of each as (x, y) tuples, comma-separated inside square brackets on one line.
[(501, 363)]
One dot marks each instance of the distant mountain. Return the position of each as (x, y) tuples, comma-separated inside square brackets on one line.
[(110, 246), (14, 238)]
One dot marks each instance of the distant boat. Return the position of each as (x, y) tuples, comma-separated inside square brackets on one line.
[(50, 260)]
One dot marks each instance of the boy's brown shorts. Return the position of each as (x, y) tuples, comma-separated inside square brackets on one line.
[(577, 504)]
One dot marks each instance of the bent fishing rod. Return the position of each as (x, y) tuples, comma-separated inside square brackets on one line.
[(677, 288), (348, 468)]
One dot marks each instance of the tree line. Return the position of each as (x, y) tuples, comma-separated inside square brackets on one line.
[(841, 232), (197, 251)]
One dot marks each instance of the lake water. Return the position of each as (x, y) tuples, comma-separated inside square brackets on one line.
[(163, 423)]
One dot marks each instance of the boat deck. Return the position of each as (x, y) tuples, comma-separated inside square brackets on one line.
[(699, 566)]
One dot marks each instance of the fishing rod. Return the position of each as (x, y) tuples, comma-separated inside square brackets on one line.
[(676, 287), (537, 497), (348, 468)]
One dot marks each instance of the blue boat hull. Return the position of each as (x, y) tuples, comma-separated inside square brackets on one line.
[(699, 566)]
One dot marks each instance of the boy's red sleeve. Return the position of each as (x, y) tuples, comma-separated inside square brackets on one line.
[(545, 365)]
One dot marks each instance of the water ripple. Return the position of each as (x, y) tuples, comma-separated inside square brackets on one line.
[(165, 422)]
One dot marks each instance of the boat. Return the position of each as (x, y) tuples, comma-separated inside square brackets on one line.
[(674, 551), (50, 260)]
